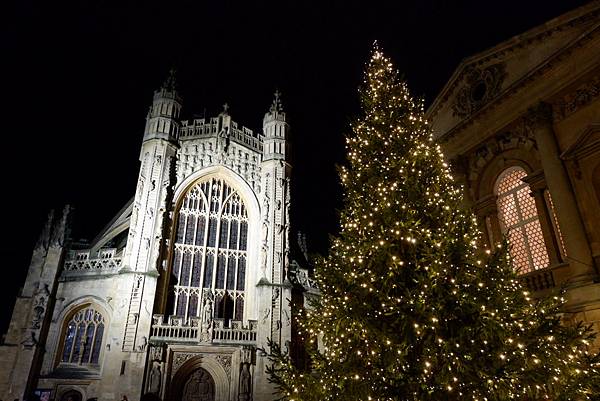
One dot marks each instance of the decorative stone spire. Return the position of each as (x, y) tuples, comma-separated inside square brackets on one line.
[(170, 83), (276, 131), (162, 119), (276, 107)]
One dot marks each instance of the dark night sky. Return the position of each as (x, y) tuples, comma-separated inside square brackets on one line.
[(78, 79)]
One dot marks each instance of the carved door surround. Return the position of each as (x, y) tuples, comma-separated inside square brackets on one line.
[(216, 364)]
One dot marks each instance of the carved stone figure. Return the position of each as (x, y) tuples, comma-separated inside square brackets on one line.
[(244, 393), (263, 259), (223, 140), (155, 379), (207, 314), (199, 387)]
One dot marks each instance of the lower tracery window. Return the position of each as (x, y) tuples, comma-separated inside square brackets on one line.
[(82, 339)]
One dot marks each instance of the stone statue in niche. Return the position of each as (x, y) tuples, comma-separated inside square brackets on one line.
[(155, 378), (207, 314), (143, 344), (223, 140), (265, 230), (266, 314), (263, 259), (244, 393), (36, 320)]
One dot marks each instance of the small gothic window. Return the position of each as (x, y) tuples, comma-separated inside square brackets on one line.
[(209, 258), (83, 337), (519, 220)]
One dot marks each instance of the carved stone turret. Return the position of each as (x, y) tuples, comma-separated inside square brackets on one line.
[(162, 120)]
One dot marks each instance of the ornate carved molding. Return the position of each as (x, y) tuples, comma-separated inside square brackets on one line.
[(179, 358), (538, 116), (480, 86), (224, 361), (580, 97)]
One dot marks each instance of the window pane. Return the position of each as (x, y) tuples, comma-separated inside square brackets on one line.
[(220, 272), (98, 343), (517, 212), (69, 338), (208, 271)]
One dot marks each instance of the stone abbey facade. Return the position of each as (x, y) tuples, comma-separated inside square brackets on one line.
[(175, 298), (520, 123)]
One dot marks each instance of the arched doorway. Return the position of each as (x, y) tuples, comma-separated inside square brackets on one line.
[(199, 386)]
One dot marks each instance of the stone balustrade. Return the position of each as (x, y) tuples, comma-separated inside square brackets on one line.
[(177, 330), (103, 261), (538, 280)]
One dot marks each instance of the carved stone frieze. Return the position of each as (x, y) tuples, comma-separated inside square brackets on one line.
[(580, 97), (198, 154), (180, 358), (157, 352), (480, 85), (224, 361)]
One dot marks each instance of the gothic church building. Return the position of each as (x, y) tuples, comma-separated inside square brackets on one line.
[(174, 299)]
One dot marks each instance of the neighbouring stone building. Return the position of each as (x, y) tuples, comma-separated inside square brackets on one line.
[(520, 123), (176, 296)]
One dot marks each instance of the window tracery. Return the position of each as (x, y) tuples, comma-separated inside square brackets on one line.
[(82, 340), (519, 219), (210, 251)]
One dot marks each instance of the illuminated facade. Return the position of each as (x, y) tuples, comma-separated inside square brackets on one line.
[(520, 123), (174, 299)]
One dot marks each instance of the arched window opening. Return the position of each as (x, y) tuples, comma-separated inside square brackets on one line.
[(519, 219), (82, 339), (210, 252)]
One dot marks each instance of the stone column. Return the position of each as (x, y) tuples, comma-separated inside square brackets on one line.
[(537, 184), (487, 208), (539, 121)]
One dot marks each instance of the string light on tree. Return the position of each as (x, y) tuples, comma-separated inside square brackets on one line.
[(410, 307)]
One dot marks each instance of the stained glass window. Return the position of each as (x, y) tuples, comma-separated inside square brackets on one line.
[(210, 246), (519, 219), (83, 337)]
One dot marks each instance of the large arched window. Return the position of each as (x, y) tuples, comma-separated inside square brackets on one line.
[(209, 257), (82, 339), (519, 219)]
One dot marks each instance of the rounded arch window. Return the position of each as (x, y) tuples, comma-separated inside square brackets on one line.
[(210, 252), (82, 337), (519, 220)]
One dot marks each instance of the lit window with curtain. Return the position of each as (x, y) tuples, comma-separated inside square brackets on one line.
[(82, 337), (519, 220), (209, 255)]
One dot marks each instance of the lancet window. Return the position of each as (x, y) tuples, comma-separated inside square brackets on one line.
[(209, 258), (519, 219), (82, 341)]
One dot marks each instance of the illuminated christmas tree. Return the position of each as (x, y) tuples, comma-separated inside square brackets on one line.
[(411, 308)]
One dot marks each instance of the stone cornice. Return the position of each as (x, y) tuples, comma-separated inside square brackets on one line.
[(497, 53), (519, 85)]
